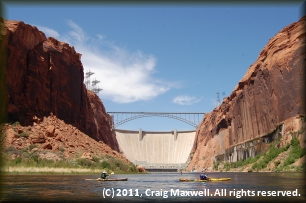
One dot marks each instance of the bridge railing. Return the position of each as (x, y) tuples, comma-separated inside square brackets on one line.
[(191, 118)]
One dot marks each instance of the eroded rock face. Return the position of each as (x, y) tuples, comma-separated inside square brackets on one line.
[(69, 143), (11, 134), (46, 76), (141, 169), (86, 155), (270, 92), (98, 122)]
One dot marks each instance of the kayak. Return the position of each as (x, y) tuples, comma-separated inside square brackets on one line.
[(198, 180), (109, 179)]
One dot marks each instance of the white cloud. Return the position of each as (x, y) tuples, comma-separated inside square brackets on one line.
[(48, 31), (77, 33), (123, 81), (185, 100), (100, 36), (125, 77)]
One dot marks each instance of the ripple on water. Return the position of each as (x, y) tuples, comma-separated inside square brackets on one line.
[(67, 188)]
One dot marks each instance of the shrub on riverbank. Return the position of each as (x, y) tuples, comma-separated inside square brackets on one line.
[(27, 158), (295, 153), (50, 142), (269, 156), (261, 161), (107, 163), (242, 163)]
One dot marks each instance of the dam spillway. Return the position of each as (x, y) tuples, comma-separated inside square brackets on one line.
[(156, 149)]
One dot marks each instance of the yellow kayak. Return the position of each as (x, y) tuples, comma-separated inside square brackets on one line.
[(109, 179), (198, 180)]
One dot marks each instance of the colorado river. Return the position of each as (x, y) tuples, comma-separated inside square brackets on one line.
[(164, 187)]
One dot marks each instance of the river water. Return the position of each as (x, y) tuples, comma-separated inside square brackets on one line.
[(164, 187)]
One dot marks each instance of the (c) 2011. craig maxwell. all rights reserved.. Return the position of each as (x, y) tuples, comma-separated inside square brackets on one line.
[(111, 192)]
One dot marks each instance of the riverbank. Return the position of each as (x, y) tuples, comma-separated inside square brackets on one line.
[(53, 170), (290, 158), (52, 146), (49, 170)]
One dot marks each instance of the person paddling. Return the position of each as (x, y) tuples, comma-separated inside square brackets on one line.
[(203, 176), (104, 175)]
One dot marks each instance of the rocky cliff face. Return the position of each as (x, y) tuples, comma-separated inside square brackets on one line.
[(270, 92), (46, 76), (99, 122), (53, 139)]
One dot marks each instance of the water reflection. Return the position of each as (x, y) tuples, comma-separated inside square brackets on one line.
[(152, 187)]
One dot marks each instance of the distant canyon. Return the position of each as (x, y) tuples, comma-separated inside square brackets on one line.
[(44, 83)]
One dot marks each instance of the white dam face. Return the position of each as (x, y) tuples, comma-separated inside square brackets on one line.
[(156, 148)]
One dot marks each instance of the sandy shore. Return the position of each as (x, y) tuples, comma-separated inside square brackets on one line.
[(48, 170)]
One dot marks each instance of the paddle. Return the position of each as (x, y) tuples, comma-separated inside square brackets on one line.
[(112, 173), (107, 176)]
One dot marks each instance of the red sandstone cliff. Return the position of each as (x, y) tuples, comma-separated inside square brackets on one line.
[(46, 75), (269, 93), (98, 121)]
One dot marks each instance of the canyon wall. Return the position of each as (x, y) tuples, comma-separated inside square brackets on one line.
[(43, 76), (270, 92)]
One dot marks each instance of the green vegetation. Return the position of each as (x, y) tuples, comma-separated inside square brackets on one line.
[(276, 163), (227, 166), (241, 162), (303, 118), (118, 165), (12, 157), (23, 134), (16, 124), (291, 168), (269, 156), (95, 159), (27, 158), (216, 165), (107, 163), (32, 146), (295, 153), (85, 162), (261, 161)]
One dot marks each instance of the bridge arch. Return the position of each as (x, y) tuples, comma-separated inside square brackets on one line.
[(119, 118)]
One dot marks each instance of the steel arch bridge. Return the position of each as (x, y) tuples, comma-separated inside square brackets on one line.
[(119, 118)]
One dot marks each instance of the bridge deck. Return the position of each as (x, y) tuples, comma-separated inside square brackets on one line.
[(191, 118)]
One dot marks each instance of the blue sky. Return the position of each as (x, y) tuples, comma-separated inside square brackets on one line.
[(161, 57)]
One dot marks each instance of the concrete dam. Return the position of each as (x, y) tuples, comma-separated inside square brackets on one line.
[(156, 150)]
